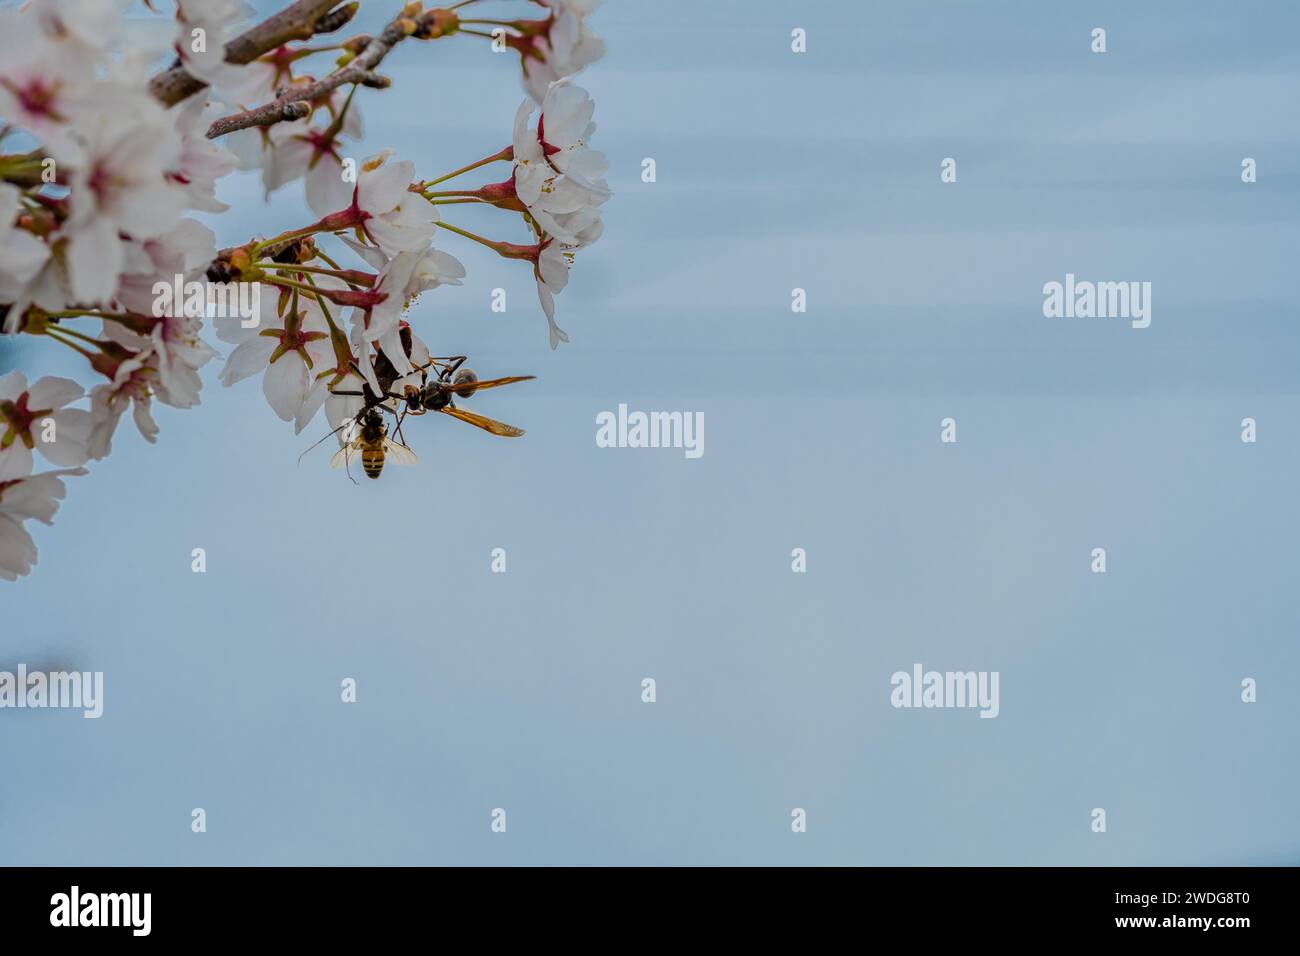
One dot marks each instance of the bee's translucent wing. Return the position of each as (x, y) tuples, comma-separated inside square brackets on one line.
[(483, 422), (343, 457), (399, 454)]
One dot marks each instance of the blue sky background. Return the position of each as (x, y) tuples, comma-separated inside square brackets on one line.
[(522, 690)]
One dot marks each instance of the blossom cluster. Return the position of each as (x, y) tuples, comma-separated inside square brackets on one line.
[(100, 251)]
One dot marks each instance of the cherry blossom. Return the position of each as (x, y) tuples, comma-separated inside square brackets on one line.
[(85, 27), (120, 188), (184, 251), (22, 255), (562, 45), (432, 268), (560, 203), (116, 150), (27, 413), (551, 270), (313, 155), (33, 497), (40, 86), (204, 27), (396, 282), (133, 382), (178, 352), (564, 129), (283, 348), (384, 210), (291, 150), (201, 162), (435, 268)]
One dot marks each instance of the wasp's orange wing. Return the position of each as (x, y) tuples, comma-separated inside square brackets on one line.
[(483, 422), (487, 383)]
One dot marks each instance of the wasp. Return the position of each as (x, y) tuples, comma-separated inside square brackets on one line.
[(452, 381), (367, 432)]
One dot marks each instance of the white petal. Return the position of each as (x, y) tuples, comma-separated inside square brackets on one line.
[(15, 462), (71, 435), (382, 187), (144, 421), (311, 404), (391, 345), (372, 256), (249, 358), (339, 408), (95, 257), (12, 384), (17, 550), (326, 190), (54, 392), (38, 497), (285, 385), (22, 256), (288, 161)]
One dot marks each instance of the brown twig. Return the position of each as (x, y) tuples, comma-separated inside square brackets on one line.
[(355, 72), (429, 25), (300, 20)]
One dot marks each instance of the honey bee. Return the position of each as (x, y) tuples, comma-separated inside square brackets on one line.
[(368, 434)]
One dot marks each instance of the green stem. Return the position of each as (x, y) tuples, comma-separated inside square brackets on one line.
[(507, 153), (328, 261), (336, 272), (72, 345), (79, 335), (320, 299), (467, 234), (338, 338), (286, 283), (90, 314), (335, 127), (289, 236)]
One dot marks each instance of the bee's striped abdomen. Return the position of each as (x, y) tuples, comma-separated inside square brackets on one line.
[(372, 461)]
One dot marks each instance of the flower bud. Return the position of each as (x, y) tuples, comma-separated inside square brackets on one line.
[(437, 23), (111, 355), (336, 19)]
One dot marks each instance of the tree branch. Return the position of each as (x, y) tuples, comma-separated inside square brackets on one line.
[(357, 71), (301, 20)]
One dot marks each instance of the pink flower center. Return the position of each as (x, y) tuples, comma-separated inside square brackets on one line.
[(20, 419), (36, 97), (99, 181), (547, 148), (322, 144)]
